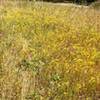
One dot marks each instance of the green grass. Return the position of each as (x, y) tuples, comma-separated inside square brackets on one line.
[(49, 52)]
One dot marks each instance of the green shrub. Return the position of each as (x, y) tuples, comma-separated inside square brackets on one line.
[(95, 5)]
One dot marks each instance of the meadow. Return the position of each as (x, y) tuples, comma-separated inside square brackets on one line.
[(49, 52)]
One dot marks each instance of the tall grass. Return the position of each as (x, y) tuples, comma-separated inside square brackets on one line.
[(49, 52)]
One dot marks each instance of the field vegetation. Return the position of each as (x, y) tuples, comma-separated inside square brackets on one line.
[(49, 52)]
